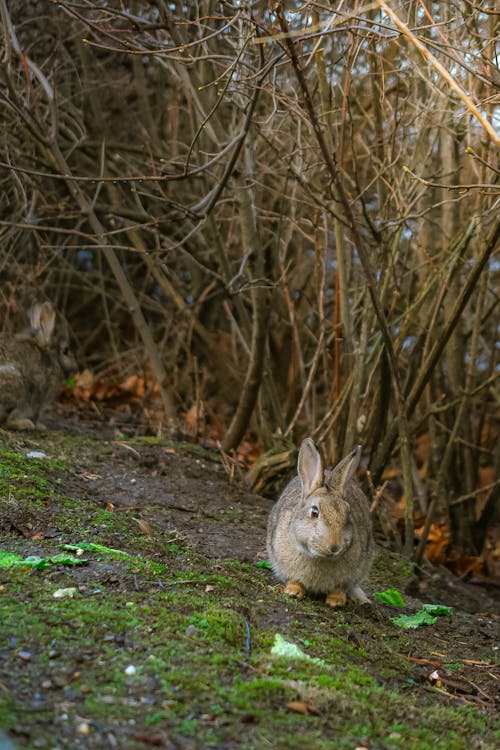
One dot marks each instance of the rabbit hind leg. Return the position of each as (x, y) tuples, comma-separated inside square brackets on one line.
[(20, 423), (15, 407), (295, 589), (20, 419), (336, 598), (358, 595)]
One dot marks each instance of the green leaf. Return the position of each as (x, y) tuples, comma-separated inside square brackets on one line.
[(264, 564), (65, 593), (414, 621), (63, 559), (91, 547), (437, 609), (287, 650), (33, 561), (8, 559), (391, 596)]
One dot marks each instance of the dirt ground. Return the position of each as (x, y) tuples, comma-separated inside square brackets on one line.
[(172, 505)]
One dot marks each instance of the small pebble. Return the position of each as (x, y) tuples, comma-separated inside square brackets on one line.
[(24, 655), (62, 593), (130, 670), (5, 742), (83, 727), (36, 454)]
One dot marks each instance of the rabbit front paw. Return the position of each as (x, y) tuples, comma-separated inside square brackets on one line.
[(295, 589), (336, 598)]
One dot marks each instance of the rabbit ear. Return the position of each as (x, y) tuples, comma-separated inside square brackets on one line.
[(344, 471), (310, 467), (43, 319)]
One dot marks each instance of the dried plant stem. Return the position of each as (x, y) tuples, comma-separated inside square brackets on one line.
[(259, 296), (403, 28), (307, 387)]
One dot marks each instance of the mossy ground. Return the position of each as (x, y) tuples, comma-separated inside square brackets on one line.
[(166, 645)]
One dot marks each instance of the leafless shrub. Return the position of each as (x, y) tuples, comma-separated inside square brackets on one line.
[(298, 205)]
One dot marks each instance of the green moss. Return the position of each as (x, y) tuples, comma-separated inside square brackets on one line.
[(27, 479), (200, 642), (220, 626), (7, 711), (390, 570), (158, 717), (103, 516), (258, 693), (189, 727)]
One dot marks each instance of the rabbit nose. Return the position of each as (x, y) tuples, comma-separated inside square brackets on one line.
[(334, 549)]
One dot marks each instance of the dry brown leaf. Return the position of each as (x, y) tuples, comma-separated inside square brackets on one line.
[(249, 451), (491, 552), (82, 385), (134, 385), (194, 419), (418, 660), (422, 449), (103, 390), (390, 474), (485, 478), (89, 475), (299, 707), (155, 740), (437, 540), (466, 565)]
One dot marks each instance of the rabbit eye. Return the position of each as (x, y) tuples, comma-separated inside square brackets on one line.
[(65, 350), (314, 511)]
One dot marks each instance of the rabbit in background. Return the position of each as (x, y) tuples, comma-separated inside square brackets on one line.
[(319, 535), (33, 365)]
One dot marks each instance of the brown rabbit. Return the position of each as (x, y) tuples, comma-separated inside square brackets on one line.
[(319, 536), (32, 367)]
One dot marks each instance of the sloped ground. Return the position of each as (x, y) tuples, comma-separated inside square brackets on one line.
[(167, 641)]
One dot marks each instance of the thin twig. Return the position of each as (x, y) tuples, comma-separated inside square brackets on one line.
[(403, 28)]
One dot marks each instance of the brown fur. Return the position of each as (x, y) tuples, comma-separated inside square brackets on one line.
[(330, 554), (32, 367)]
